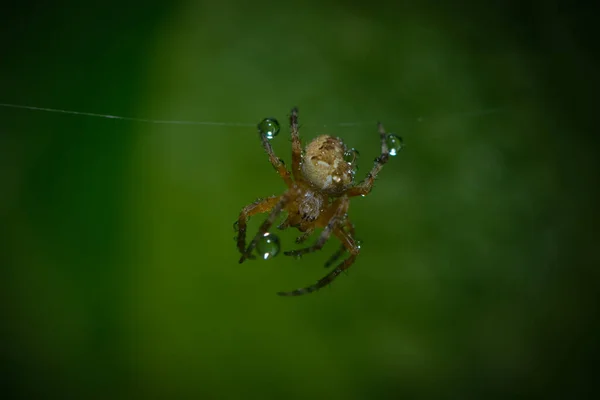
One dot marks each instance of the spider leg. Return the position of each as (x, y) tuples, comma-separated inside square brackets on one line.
[(354, 250), (276, 161), (349, 228), (296, 145), (278, 207), (304, 236), (364, 187), (259, 206), (285, 224), (334, 221)]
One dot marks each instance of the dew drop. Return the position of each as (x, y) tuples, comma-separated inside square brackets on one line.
[(358, 243), (267, 246), (269, 127), (394, 144), (351, 156)]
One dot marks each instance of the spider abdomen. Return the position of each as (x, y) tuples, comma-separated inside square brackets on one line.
[(324, 166)]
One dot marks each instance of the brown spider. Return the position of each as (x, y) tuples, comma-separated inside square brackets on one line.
[(318, 196)]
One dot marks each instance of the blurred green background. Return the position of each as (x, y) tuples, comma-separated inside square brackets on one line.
[(478, 272)]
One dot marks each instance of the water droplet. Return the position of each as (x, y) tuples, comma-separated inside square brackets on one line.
[(267, 246), (351, 156), (394, 144), (269, 127), (358, 243)]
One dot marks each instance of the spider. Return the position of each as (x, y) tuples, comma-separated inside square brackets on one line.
[(319, 188)]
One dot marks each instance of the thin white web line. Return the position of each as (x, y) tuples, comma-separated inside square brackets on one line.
[(108, 116), (475, 113)]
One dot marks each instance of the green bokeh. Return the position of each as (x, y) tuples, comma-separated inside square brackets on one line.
[(119, 274)]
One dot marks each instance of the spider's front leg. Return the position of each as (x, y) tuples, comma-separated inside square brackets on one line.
[(349, 227), (305, 235), (279, 204), (350, 244), (259, 206), (366, 185)]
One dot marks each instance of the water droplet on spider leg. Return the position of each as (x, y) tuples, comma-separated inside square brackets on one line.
[(268, 246), (351, 156), (394, 144), (358, 243), (269, 127)]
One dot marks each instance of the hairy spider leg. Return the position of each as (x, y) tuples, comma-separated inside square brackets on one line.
[(284, 199), (339, 208), (351, 246), (296, 145), (276, 161), (349, 226), (284, 225), (302, 238), (259, 206), (364, 187)]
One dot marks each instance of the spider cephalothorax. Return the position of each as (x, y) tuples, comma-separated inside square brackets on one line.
[(320, 186)]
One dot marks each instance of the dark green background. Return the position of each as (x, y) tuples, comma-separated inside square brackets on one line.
[(119, 277)]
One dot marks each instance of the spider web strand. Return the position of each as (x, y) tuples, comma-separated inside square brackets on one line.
[(109, 116)]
